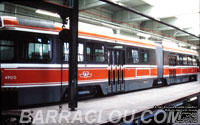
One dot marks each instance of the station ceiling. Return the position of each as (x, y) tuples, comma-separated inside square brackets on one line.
[(184, 15)]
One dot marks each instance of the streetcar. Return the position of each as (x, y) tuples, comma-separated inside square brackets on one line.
[(33, 68)]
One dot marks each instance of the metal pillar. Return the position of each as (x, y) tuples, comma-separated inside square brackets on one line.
[(198, 101), (73, 48)]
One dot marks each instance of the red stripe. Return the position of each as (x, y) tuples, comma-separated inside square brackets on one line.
[(142, 72), (50, 76)]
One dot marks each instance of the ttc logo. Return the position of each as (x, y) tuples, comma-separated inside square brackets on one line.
[(85, 74)]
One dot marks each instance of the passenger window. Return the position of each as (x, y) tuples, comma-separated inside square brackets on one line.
[(133, 56), (185, 60), (144, 57), (95, 53), (99, 54), (39, 49), (194, 61), (179, 60), (80, 52), (66, 51), (6, 50), (89, 54), (189, 60)]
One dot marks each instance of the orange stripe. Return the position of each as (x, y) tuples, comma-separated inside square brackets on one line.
[(154, 72), (184, 71), (166, 71), (180, 50), (181, 70), (57, 29), (142, 72), (131, 73), (178, 71), (10, 21), (113, 38)]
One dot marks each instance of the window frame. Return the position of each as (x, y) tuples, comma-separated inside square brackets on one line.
[(77, 53), (14, 49), (94, 45), (144, 51), (35, 42), (21, 40), (129, 49)]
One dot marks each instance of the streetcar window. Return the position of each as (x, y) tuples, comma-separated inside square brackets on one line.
[(80, 52), (89, 54), (95, 53), (133, 56), (189, 60), (179, 59), (40, 49), (194, 61), (6, 50), (185, 60), (144, 57), (66, 51), (99, 53)]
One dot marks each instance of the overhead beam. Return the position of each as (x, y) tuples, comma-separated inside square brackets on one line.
[(194, 39), (140, 19), (122, 6), (165, 28), (182, 34), (94, 4)]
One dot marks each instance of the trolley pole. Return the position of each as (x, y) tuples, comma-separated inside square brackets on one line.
[(73, 48)]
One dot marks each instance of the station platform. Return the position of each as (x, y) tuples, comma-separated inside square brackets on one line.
[(102, 110), (108, 108)]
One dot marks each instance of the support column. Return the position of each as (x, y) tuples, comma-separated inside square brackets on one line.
[(198, 102), (73, 45)]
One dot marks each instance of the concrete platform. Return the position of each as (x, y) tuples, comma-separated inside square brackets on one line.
[(102, 110), (109, 108)]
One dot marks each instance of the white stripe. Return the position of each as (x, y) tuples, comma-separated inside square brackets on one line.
[(183, 74), (147, 66), (186, 66), (167, 66), (142, 77), (10, 85), (93, 65), (24, 86), (143, 68), (18, 65), (181, 51), (114, 41)]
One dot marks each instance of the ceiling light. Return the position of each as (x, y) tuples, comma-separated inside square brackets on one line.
[(144, 35), (192, 99), (194, 47), (110, 26), (44, 12)]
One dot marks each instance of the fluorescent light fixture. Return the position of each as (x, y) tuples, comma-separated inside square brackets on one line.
[(109, 25), (194, 47), (44, 12), (181, 44), (144, 35), (192, 99)]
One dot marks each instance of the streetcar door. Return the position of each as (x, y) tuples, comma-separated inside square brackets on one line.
[(116, 71), (172, 68)]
